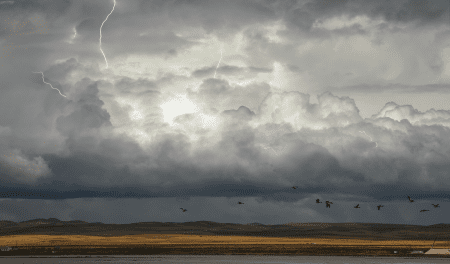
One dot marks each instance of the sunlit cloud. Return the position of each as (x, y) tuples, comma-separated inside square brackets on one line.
[(177, 106)]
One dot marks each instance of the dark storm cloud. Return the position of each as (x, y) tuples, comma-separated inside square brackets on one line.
[(436, 11), (396, 87), (229, 70), (88, 115), (228, 15), (88, 24), (52, 7), (22, 209), (147, 25), (388, 192), (28, 195), (241, 113), (100, 165), (151, 43), (204, 72), (72, 176), (62, 71), (6, 2), (258, 69), (422, 10), (141, 87), (95, 156)]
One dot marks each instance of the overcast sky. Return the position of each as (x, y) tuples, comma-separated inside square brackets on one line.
[(125, 111)]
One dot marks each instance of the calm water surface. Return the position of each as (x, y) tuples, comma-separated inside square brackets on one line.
[(189, 259)]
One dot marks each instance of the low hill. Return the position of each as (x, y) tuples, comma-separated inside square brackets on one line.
[(53, 226)]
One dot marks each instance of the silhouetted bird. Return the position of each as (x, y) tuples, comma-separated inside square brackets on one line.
[(318, 201), (435, 205), (184, 210), (294, 187), (424, 210), (328, 204), (379, 206), (357, 206), (410, 199), (240, 203)]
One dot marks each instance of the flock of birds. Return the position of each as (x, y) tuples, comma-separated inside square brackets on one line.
[(328, 203)]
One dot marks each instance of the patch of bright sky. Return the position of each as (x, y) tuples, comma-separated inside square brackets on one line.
[(136, 115), (208, 121), (272, 30), (176, 106), (277, 79), (199, 126), (244, 82)]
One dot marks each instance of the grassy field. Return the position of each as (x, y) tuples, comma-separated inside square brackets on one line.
[(171, 239)]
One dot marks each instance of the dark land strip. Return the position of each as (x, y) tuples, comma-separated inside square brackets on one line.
[(363, 231)]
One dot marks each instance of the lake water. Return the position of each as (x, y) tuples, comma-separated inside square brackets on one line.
[(190, 259)]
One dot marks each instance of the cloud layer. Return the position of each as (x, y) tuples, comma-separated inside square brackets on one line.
[(156, 125)]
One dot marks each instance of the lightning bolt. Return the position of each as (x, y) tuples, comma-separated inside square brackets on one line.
[(101, 33), (376, 144), (218, 63), (50, 84)]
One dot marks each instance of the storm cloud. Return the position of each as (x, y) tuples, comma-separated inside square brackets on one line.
[(324, 95)]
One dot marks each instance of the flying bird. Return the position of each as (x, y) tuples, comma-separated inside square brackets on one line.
[(240, 203), (424, 210), (435, 205), (357, 206), (410, 199), (294, 187), (184, 210), (328, 204), (318, 201), (379, 206)]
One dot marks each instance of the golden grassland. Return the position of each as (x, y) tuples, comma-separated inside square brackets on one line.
[(193, 240)]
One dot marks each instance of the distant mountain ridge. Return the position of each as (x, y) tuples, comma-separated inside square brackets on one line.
[(56, 220), (41, 221)]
